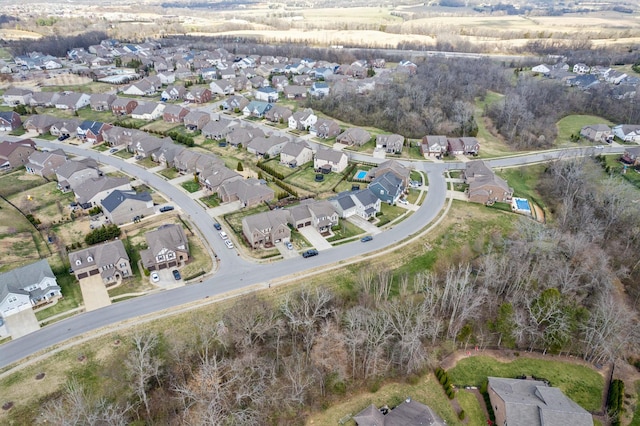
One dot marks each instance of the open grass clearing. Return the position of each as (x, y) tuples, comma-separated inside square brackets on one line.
[(306, 179), (572, 124), (199, 259), (18, 181), (523, 180), (17, 249), (285, 170), (471, 406), (580, 383)]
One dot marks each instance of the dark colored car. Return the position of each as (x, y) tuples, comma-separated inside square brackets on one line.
[(310, 253), (367, 238), (176, 274), (217, 226), (166, 209)]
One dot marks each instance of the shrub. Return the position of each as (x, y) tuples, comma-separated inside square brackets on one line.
[(104, 233), (462, 415)]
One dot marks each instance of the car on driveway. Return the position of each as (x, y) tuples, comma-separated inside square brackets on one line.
[(288, 245), (367, 238), (166, 209), (228, 243), (217, 226), (63, 137), (112, 150), (403, 201), (155, 277), (310, 253), (176, 274)]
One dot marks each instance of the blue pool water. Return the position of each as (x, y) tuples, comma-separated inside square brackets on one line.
[(522, 204), (361, 174)]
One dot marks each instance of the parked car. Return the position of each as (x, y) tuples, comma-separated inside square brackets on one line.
[(112, 150), (403, 201), (310, 253), (223, 235), (288, 245), (367, 238), (63, 137), (228, 243), (166, 209), (176, 274), (217, 226), (155, 277)]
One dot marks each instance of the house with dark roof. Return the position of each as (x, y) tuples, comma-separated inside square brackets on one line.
[(15, 154), (533, 403), (388, 187), (91, 131), (27, 287), (266, 228), (325, 128), (73, 173), (44, 164), (9, 120), (256, 109), (402, 172), (93, 190), (109, 260), (363, 203), (329, 160), (127, 206), (123, 106), (631, 155), (407, 413), (168, 248), (319, 89), (266, 94), (354, 136)]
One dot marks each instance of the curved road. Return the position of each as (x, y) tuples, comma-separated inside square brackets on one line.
[(234, 272)]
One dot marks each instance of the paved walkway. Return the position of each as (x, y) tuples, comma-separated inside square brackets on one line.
[(224, 209), (314, 238)]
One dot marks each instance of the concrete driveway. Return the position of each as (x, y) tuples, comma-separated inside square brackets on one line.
[(94, 293), (315, 239), (285, 252), (364, 224), (22, 323), (167, 280)]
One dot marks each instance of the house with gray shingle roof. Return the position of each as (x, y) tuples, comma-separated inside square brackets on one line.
[(388, 187), (168, 248), (354, 136), (40, 123), (363, 203), (402, 172), (219, 129), (94, 190), (15, 154), (72, 101), (249, 192), (391, 144), (109, 260), (101, 101), (26, 287), (127, 206), (295, 154), (266, 228), (196, 120), (329, 160), (73, 173), (44, 164), (408, 413), (533, 402), (627, 132), (596, 132), (67, 127), (321, 215), (243, 135), (148, 111), (174, 113), (44, 99), (270, 146), (17, 96)]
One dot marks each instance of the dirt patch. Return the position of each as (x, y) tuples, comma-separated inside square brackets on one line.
[(65, 80), (40, 376), (18, 248), (538, 213)]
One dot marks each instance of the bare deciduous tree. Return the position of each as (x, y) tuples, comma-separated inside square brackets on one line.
[(142, 364)]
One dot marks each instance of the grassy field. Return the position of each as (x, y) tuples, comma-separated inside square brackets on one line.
[(616, 168), (345, 230), (523, 180), (389, 214), (491, 145), (571, 125), (582, 384), (305, 178), (18, 181)]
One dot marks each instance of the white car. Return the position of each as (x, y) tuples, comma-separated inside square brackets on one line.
[(403, 201), (228, 243), (223, 235), (155, 277)]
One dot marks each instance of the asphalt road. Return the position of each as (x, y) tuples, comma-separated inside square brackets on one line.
[(234, 272)]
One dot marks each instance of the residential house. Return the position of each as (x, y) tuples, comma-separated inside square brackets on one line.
[(321, 215), (101, 101), (295, 154), (455, 146), (266, 94), (173, 93), (597, 133), (485, 186), (215, 175), (227, 73), (198, 95), (533, 402), (147, 145), (302, 80), (174, 113), (470, 145), (267, 147), (325, 128), (109, 260), (9, 120), (279, 82), (583, 81), (627, 132), (434, 145), (242, 135), (91, 131), (266, 228), (72, 101), (631, 156), (235, 103), (92, 191), (319, 89), (67, 127), (542, 69), (402, 172), (388, 187), (167, 153), (143, 87), (407, 413), (190, 162), (258, 82), (250, 192), (256, 109), (354, 136), (44, 99), (16, 96), (73, 173), (168, 248), (127, 206), (148, 111), (363, 203), (44, 164), (219, 129), (117, 136), (165, 77), (295, 92), (581, 68), (614, 77), (27, 287), (196, 120), (40, 123), (15, 154), (278, 114), (222, 87), (123, 106), (302, 120), (391, 144), (329, 160)]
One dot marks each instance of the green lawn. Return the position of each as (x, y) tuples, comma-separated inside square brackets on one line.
[(274, 164), (572, 124), (18, 181), (124, 154), (169, 173), (389, 213), (100, 148), (92, 87), (582, 384), (471, 406), (523, 180), (305, 178), (636, 414), (191, 186), (617, 168), (147, 163), (211, 200), (72, 295), (345, 230)]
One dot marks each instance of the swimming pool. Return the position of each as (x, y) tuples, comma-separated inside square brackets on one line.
[(521, 205), (361, 174)]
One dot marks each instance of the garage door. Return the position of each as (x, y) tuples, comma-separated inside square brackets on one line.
[(83, 275)]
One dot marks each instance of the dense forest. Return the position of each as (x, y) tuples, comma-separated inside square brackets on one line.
[(553, 288)]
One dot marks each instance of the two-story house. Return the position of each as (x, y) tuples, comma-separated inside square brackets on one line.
[(109, 260), (295, 154), (267, 228), (127, 206), (15, 154), (329, 160), (168, 248)]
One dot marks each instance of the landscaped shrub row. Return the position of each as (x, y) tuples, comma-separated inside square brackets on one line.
[(104, 233), (270, 170), (286, 187), (445, 381), (615, 401), (182, 139), (347, 172)]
